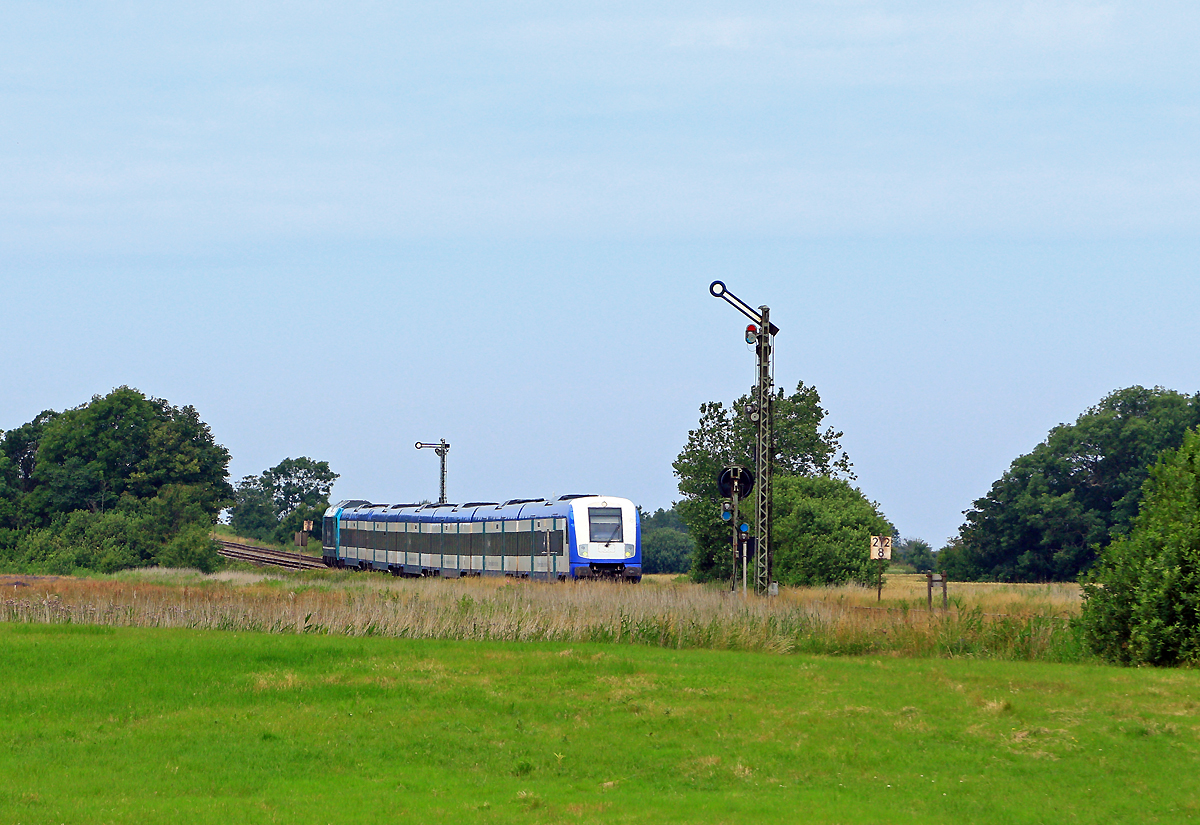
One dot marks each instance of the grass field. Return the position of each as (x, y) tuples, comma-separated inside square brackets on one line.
[(104, 724), (1028, 622)]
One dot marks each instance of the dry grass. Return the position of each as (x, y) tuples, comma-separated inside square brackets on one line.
[(984, 620)]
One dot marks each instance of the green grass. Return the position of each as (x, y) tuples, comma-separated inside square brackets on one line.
[(102, 724)]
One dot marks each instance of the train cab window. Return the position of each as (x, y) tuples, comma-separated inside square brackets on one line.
[(604, 524)]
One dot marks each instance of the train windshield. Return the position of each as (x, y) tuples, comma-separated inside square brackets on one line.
[(605, 524)]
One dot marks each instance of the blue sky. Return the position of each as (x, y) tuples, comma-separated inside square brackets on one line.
[(337, 230)]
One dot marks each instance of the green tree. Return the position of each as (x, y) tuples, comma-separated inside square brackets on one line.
[(800, 447), (253, 511), (1142, 599), (276, 504), (1078, 490), (661, 518), (666, 545), (18, 459), (298, 482), (916, 553), (170, 530), (823, 529), (665, 550), (125, 444), (110, 484)]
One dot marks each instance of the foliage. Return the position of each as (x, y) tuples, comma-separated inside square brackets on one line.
[(1142, 600), (117, 482), (660, 519), (665, 550), (823, 529), (914, 552), (1047, 516), (170, 530), (253, 511), (666, 545), (952, 562), (298, 482), (274, 506), (18, 449), (722, 438), (125, 444)]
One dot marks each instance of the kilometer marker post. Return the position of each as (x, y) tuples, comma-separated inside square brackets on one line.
[(881, 551)]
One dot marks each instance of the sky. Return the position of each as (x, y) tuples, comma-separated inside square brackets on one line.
[(339, 229)]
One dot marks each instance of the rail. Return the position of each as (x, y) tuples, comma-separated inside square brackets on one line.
[(266, 555)]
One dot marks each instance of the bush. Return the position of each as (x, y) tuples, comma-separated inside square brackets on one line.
[(1142, 599), (169, 530), (191, 547), (822, 532), (665, 550)]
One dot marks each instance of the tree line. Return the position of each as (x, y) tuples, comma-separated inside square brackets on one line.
[(1053, 511), (1112, 500), (127, 480)]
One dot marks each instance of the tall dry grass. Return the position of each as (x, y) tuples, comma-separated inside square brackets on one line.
[(992, 621)]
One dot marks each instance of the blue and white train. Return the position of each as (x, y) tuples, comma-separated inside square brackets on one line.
[(570, 537)]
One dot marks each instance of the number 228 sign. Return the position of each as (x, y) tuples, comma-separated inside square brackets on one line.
[(881, 547)]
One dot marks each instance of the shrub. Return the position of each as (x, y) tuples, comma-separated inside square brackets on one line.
[(1142, 600), (190, 547), (666, 551), (822, 532)]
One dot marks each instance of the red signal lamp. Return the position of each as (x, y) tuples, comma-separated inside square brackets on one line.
[(751, 334)]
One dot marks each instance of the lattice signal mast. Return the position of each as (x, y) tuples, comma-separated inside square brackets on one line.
[(762, 335)]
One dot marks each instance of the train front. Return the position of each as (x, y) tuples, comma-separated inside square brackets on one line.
[(605, 538)]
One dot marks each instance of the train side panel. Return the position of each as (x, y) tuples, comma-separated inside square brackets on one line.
[(581, 537)]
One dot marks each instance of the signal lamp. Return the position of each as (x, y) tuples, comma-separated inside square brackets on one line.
[(751, 334)]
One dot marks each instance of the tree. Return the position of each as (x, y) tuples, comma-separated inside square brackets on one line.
[(125, 444), (799, 447), (253, 512), (823, 529), (916, 553), (298, 482), (665, 550), (276, 504), (1142, 599), (109, 484), (1078, 490), (660, 519), (666, 545), (18, 459)]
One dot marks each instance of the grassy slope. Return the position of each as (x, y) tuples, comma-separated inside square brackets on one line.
[(134, 725)]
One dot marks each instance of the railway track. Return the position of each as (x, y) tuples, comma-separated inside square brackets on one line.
[(266, 555)]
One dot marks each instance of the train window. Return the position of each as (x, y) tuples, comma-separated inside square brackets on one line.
[(604, 523)]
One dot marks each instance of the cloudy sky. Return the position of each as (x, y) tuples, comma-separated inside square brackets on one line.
[(340, 229)]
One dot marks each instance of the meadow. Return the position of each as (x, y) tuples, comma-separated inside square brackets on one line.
[(107, 724), (247, 696), (1027, 622)]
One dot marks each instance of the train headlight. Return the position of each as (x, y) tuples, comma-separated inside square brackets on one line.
[(630, 549), (583, 550)]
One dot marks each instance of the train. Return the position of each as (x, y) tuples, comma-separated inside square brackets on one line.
[(570, 537)]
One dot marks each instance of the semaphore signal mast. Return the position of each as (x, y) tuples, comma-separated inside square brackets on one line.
[(762, 335)]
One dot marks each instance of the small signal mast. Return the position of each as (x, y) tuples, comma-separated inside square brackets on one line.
[(441, 448)]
